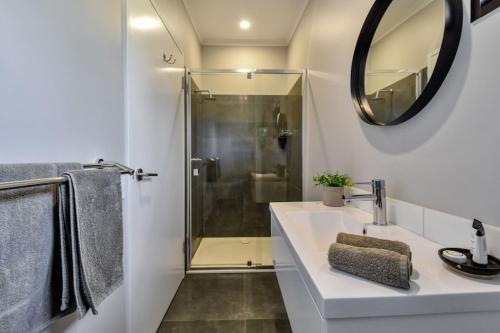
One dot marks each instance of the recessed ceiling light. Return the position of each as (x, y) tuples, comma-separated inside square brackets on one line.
[(245, 25)]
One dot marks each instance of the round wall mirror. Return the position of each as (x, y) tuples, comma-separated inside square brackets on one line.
[(404, 52)]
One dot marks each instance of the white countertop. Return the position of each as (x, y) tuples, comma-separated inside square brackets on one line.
[(308, 228)]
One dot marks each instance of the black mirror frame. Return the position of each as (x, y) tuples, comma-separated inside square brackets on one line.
[(448, 51)]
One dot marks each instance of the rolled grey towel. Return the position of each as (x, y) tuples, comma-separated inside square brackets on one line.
[(375, 243), (383, 266)]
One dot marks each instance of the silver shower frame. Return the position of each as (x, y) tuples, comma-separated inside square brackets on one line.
[(187, 129)]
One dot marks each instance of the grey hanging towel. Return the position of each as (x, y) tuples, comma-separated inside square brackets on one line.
[(30, 264), (64, 236), (96, 235)]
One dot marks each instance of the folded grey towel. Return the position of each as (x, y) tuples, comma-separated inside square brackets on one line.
[(96, 233), (384, 266), (29, 261), (64, 236), (376, 243)]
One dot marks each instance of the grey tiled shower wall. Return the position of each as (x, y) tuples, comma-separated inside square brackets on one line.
[(241, 130)]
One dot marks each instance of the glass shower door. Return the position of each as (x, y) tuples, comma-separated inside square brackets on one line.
[(246, 151)]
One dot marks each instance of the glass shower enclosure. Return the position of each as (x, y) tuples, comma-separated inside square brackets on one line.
[(244, 148)]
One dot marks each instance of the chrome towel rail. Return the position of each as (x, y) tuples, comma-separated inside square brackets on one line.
[(100, 164)]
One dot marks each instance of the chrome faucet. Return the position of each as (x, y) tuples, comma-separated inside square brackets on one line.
[(377, 197)]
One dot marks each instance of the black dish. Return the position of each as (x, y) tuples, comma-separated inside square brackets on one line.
[(490, 270)]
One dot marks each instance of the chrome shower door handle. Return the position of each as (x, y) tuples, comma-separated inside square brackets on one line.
[(140, 174)]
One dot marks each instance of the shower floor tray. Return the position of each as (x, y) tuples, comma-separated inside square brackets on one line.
[(233, 252)]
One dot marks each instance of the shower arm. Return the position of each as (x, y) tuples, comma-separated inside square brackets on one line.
[(204, 91), (391, 91)]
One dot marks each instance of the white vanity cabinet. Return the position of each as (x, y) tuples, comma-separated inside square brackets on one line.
[(302, 311)]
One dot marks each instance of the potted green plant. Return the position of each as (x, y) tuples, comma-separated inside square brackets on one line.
[(333, 187)]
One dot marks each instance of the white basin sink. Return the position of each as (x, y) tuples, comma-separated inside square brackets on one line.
[(319, 229)]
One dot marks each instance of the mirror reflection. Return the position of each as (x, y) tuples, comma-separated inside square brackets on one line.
[(402, 56)]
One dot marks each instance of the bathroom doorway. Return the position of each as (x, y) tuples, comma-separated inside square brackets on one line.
[(244, 150)]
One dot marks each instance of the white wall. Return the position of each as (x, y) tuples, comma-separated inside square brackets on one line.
[(176, 18), (261, 57), (239, 84), (61, 81), (445, 158), (61, 99), (244, 57)]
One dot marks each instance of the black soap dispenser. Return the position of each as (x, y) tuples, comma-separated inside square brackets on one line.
[(478, 249)]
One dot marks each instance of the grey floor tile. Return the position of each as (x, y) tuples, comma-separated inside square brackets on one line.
[(213, 326), (208, 297), (263, 298), (230, 303), (268, 326)]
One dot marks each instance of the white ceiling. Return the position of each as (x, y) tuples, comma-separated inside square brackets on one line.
[(273, 21)]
